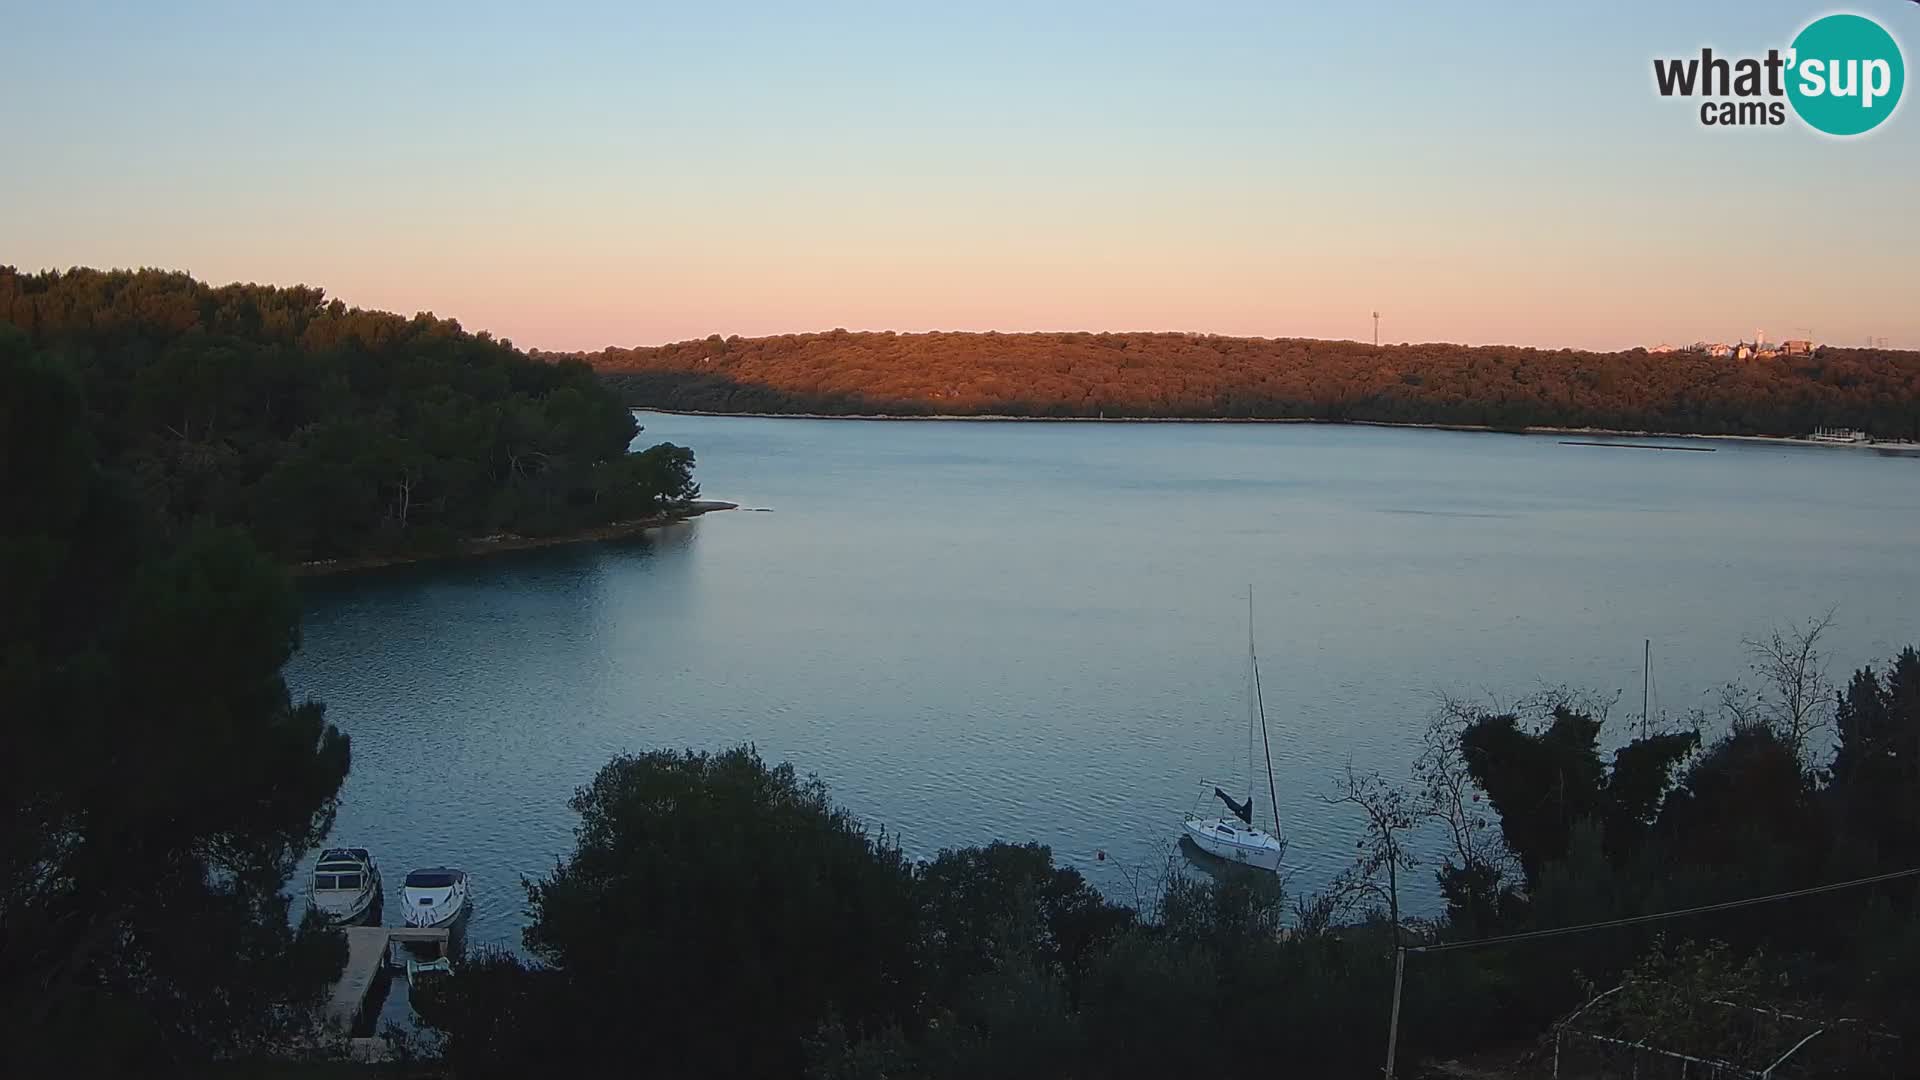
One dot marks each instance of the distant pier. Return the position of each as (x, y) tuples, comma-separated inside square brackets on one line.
[(1637, 445)]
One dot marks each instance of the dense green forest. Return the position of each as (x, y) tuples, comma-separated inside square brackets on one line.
[(166, 447), (328, 431), (723, 918), (157, 781), (1195, 375)]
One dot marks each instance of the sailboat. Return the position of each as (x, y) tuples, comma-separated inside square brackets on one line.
[(1236, 838)]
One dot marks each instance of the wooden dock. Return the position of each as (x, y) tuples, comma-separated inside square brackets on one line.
[(366, 952), (1637, 445)]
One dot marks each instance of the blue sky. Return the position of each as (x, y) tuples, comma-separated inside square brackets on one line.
[(628, 174)]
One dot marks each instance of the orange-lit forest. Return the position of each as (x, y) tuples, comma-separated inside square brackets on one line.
[(1174, 375)]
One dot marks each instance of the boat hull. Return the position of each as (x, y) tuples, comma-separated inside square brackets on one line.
[(433, 909), (345, 906), (1234, 842), (436, 917), (350, 914)]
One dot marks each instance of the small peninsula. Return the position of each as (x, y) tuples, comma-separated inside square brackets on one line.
[(337, 437)]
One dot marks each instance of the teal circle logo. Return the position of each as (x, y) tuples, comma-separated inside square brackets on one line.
[(1847, 74)]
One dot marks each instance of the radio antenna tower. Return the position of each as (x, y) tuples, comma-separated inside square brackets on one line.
[(1376, 329)]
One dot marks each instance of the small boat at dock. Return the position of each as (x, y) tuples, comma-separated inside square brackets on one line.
[(427, 972), (345, 885), (434, 896)]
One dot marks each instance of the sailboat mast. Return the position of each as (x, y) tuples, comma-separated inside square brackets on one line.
[(1273, 794), (1646, 677)]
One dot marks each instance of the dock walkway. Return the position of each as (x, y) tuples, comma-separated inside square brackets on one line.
[(366, 952)]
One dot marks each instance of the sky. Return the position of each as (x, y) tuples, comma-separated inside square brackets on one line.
[(573, 176)]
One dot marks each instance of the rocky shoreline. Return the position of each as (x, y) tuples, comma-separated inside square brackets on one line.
[(1884, 446), (493, 545)]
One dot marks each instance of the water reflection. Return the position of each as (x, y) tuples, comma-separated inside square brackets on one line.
[(1037, 632)]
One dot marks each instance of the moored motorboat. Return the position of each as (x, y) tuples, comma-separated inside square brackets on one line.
[(434, 896), (345, 884)]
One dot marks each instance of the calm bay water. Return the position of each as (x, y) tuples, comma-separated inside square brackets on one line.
[(1036, 631)]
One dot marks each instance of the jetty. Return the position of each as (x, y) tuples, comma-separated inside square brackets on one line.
[(367, 948), (1636, 445)]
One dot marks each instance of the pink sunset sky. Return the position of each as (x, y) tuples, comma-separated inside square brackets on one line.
[(626, 175)]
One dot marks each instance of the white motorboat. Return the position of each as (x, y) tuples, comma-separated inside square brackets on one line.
[(434, 896), (1236, 838), (345, 884)]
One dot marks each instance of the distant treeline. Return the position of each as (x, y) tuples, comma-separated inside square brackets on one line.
[(329, 431), (1192, 375)]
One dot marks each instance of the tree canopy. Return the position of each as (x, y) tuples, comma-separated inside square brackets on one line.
[(329, 431), (715, 911), (720, 917), (157, 781)]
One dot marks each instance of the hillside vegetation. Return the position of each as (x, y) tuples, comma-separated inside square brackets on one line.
[(801, 942), (1190, 375), (328, 431)]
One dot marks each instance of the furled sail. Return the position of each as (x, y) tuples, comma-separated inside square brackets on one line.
[(1241, 810)]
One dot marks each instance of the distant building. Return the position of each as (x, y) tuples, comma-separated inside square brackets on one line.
[(1797, 347), (1838, 435), (1743, 351), (1663, 347), (1717, 350)]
